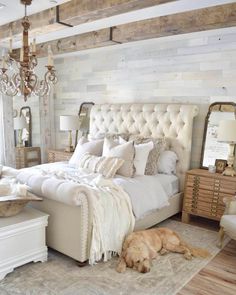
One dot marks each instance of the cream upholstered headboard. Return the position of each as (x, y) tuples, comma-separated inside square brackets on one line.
[(173, 121)]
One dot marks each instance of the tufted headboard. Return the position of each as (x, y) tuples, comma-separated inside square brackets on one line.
[(172, 121)]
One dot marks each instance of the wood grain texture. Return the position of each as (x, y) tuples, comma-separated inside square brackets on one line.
[(204, 193), (180, 23), (40, 23), (218, 277), (76, 12)]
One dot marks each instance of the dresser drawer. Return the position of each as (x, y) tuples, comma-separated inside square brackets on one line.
[(213, 184), (200, 182), (206, 195)]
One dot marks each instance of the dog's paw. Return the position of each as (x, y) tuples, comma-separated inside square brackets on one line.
[(188, 256), (164, 251)]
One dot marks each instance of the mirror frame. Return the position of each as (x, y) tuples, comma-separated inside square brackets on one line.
[(210, 109), (89, 104), (30, 123)]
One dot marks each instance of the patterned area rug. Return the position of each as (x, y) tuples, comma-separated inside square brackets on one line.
[(61, 275)]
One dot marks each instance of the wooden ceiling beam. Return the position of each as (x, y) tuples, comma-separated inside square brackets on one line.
[(73, 13), (77, 12), (41, 23), (187, 22), (74, 43)]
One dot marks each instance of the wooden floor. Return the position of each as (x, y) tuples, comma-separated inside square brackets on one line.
[(218, 277)]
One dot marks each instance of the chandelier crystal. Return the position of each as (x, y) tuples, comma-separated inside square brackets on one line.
[(17, 76)]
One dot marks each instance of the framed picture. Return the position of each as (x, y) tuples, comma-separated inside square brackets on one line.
[(220, 165)]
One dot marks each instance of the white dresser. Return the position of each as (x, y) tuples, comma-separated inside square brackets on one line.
[(22, 239)]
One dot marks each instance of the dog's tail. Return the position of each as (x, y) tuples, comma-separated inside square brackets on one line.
[(195, 251)]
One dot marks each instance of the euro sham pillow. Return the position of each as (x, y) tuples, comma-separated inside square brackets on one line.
[(107, 166), (141, 155), (167, 162), (93, 147), (159, 145), (124, 151)]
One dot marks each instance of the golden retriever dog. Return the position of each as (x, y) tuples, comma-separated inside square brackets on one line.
[(139, 248)]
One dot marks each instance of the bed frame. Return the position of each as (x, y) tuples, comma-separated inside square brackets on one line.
[(69, 227)]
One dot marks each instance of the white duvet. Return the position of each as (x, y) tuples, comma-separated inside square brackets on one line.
[(114, 202)]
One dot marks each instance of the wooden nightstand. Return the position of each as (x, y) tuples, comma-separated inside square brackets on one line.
[(27, 157), (58, 156), (204, 193)]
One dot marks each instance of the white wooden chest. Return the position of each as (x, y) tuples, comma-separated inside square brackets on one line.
[(22, 240)]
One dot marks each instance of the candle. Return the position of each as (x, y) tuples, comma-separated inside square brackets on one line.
[(10, 41), (50, 56), (34, 45), (4, 65), (50, 60), (31, 47), (10, 45), (21, 54)]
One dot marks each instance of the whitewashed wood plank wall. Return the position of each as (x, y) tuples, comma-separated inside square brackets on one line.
[(196, 68)]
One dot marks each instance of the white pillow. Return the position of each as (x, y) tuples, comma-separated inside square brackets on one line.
[(94, 147), (124, 151), (142, 151), (167, 162)]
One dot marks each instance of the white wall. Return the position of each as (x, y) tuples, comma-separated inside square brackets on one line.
[(196, 68)]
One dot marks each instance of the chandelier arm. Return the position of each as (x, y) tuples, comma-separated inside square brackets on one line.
[(23, 81)]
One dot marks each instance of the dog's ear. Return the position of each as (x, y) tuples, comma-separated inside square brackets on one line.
[(127, 241), (121, 267), (152, 252)]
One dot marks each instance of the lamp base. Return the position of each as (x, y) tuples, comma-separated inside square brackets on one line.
[(229, 171), (69, 149)]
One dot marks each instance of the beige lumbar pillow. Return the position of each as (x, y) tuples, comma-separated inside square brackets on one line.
[(107, 166), (124, 151)]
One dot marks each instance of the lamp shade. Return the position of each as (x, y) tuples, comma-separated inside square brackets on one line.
[(20, 123), (227, 131), (69, 123)]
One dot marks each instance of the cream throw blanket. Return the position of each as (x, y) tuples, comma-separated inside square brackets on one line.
[(110, 206)]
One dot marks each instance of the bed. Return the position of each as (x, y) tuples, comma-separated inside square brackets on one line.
[(69, 229)]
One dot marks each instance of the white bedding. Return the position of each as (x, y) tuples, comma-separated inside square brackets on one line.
[(147, 193)]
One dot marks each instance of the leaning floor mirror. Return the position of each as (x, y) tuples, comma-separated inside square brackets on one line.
[(27, 132), (211, 148)]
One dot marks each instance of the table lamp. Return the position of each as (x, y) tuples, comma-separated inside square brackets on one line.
[(69, 123), (19, 124), (227, 134)]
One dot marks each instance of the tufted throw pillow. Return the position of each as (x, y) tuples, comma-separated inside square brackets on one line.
[(93, 147), (124, 151), (107, 166), (159, 146)]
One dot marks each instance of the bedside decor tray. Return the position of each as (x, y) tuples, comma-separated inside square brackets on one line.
[(13, 204)]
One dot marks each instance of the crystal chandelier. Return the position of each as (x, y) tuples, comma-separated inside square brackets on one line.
[(17, 76)]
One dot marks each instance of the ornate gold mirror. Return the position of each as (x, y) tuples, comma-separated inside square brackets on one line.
[(84, 115), (211, 148), (27, 132)]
